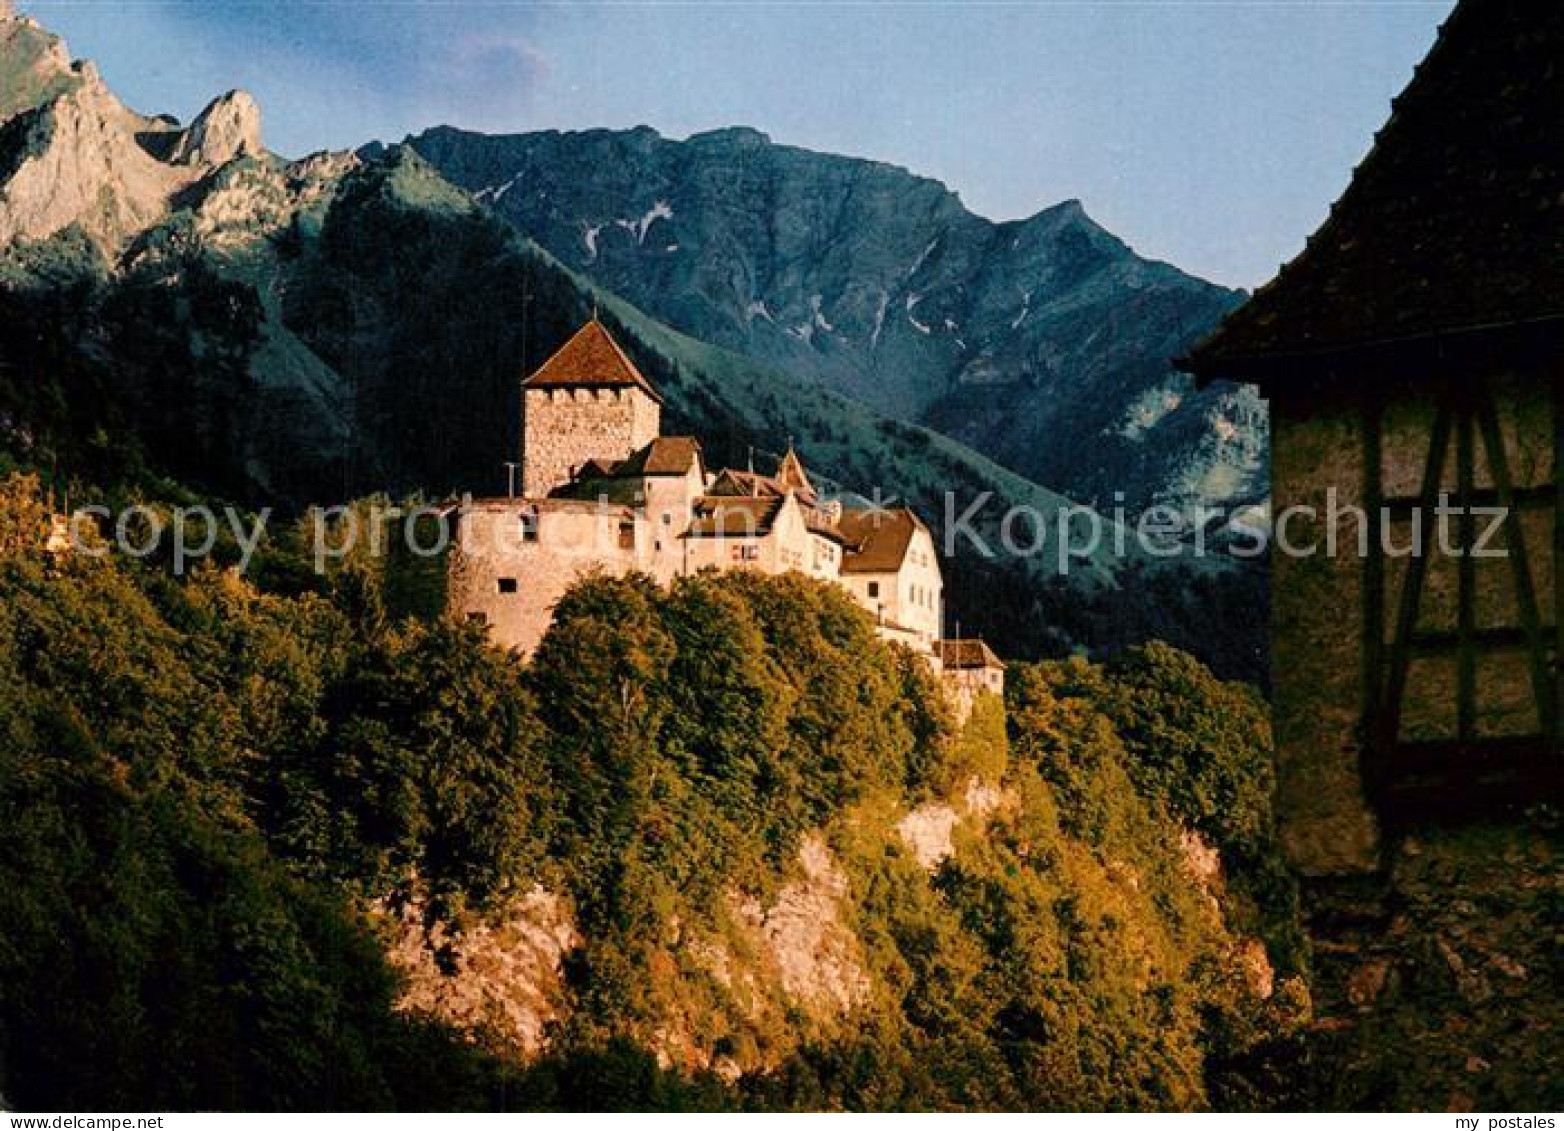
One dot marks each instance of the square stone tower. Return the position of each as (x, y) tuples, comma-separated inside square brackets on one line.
[(587, 402)]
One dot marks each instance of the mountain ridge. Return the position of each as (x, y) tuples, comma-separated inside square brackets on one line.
[(290, 332), (1019, 338)]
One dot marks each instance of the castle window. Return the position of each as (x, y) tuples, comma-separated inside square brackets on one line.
[(627, 535), (529, 526), (874, 589), (667, 518), (507, 585)]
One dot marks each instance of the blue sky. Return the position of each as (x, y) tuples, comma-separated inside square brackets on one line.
[(1212, 134)]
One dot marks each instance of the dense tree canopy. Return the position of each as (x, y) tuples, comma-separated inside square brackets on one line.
[(206, 782)]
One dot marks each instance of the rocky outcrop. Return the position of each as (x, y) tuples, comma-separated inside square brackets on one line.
[(73, 156), (502, 977), (76, 161), (34, 65), (929, 830), (228, 128), (928, 833), (816, 954)]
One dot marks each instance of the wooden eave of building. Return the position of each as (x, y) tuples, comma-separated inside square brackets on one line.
[(1522, 344), (1448, 245)]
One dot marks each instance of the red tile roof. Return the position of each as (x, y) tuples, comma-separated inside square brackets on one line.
[(790, 476), (591, 359), (666, 455), (730, 483)]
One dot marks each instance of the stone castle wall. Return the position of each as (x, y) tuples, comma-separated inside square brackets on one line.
[(512, 583), (561, 429)]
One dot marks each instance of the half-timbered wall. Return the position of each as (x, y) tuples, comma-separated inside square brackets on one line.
[(1411, 681)]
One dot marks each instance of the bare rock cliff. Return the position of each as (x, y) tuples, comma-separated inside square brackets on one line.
[(73, 155), (74, 161), (228, 128)]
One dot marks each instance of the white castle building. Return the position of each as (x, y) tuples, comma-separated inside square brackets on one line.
[(604, 491)]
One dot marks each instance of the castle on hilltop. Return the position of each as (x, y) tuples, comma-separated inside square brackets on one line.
[(602, 490)]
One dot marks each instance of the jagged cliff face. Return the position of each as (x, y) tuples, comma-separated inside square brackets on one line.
[(1043, 343), (753, 982), (77, 157)]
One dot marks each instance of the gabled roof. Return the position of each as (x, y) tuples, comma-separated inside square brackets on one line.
[(666, 455), (878, 539), (731, 483), (790, 476), (621, 481), (790, 473), (734, 516), (1453, 225), (591, 359), (967, 655), (823, 523)]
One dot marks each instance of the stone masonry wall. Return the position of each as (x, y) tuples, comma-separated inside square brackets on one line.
[(1326, 824), (572, 543), (564, 428)]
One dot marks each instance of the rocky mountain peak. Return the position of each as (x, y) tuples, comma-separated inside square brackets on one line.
[(34, 65), (740, 137), (76, 158), (229, 127)]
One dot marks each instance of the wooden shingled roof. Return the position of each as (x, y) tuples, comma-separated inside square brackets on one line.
[(1453, 225), (591, 359)]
